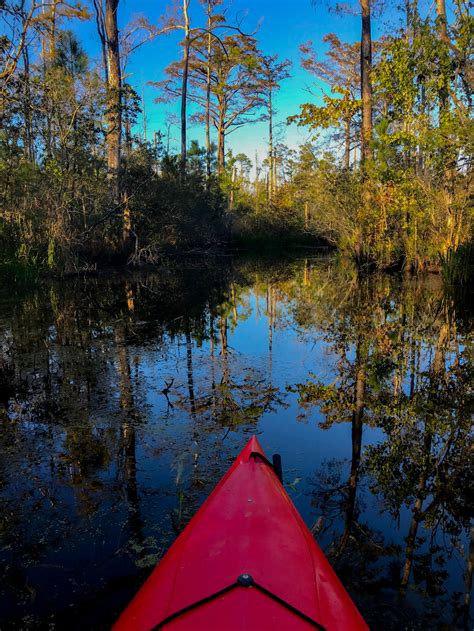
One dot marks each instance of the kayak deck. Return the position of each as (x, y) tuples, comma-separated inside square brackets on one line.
[(247, 526)]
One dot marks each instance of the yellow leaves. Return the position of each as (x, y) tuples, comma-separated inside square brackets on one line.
[(53, 168), (334, 112), (61, 9), (76, 10)]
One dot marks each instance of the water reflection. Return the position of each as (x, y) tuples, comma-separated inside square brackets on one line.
[(123, 400)]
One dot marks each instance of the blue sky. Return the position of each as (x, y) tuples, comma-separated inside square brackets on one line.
[(283, 26)]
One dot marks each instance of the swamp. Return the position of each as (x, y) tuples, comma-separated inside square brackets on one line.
[(125, 396)]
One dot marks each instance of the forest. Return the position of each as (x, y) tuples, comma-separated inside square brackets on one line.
[(222, 219), (383, 178)]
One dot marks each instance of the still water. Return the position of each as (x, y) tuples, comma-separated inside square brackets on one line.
[(124, 398)]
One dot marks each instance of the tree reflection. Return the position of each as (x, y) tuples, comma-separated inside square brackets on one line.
[(123, 400), (402, 367)]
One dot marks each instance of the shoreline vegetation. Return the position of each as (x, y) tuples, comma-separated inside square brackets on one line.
[(384, 178)]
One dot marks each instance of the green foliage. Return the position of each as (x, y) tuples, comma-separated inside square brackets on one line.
[(332, 114), (409, 207), (457, 266)]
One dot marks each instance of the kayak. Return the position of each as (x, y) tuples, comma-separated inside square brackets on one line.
[(246, 561)]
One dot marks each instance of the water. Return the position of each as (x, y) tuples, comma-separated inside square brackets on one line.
[(124, 398)]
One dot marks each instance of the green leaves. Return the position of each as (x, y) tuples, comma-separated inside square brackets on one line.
[(333, 113)]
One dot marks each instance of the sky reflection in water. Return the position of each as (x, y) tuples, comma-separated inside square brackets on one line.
[(123, 400)]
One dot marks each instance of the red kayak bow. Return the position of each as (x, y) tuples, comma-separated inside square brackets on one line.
[(246, 561)]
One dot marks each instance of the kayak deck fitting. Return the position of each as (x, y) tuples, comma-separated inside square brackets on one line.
[(246, 561)]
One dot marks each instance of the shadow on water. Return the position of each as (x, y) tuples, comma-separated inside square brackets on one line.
[(124, 399)]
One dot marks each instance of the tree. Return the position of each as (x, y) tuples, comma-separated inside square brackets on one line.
[(191, 34), (341, 74), (237, 90), (365, 80), (273, 73), (15, 41), (114, 106), (212, 20)]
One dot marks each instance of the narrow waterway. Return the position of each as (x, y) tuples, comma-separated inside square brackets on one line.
[(124, 398)]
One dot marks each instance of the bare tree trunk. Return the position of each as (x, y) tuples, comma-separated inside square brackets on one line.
[(257, 181), (421, 157), (126, 125), (11, 65), (126, 219), (208, 95), (366, 85), (232, 188), (27, 114), (449, 153), (144, 115), (48, 141), (275, 178), (114, 100), (100, 24), (52, 39), (155, 145), (442, 22), (221, 144), (270, 146), (347, 144), (184, 88)]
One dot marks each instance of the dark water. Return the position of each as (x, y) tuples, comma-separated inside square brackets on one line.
[(124, 399)]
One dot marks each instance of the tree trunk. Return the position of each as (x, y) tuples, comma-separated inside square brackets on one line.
[(274, 176), (421, 157), (100, 24), (126, 219), (448, 152), (52, 40), (221, 145), (126, 126), (184, 88), (442, 22), (270, 147), (155, 145), (442, 28), (28, 123), (144, 116), (257, 181), (208, 96), (347, 144), (366, 86), (232, 188), (114, 101)]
